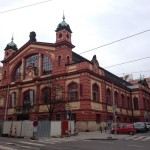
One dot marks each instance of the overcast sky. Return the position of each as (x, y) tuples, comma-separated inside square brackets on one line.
[(93, 23)]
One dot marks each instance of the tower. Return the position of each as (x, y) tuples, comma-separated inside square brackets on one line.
[(63, 32), (10, 49)]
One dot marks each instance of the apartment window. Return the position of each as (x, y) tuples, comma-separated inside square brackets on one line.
[(29, 98), (128, 102), (135, 103), (122, 100), (108, 96), (116, 98), (95, 92), (73, 91)]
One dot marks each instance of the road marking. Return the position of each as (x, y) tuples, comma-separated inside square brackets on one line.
[(138, 138), (107, 142), (29, 143), (145, 139), (136, 145), (6, 148), (132, 137)]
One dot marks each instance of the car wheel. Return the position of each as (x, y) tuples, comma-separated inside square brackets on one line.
[(131, 133)]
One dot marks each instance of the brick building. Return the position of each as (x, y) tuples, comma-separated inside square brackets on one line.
[(91, 94)]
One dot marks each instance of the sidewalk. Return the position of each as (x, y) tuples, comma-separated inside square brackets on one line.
[(97, 135)]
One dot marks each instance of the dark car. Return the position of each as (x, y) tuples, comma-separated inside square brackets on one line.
[(128, 129), (148, 125), (140, 127)]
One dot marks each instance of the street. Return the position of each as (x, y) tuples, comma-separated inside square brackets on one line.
[(138, 141)]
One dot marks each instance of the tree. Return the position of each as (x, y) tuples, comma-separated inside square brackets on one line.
[(53, 97)]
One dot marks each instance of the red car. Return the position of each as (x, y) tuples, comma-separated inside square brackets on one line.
[(129, 128)]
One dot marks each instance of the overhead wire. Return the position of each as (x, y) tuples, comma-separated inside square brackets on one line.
[(24, 6), (116, 41), (127, 62)]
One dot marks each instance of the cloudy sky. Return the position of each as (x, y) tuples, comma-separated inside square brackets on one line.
[(94, 23)]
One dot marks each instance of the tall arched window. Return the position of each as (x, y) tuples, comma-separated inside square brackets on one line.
[(29, 98), (47, 66), (17, 73), (122, 100), (95, 92), (73, 91), (108, 96), (34, 62), (68, 60), (4, 74), (116, 98), (135, 103), (13, 99), (59, 60), (128, 102), (46, 93)]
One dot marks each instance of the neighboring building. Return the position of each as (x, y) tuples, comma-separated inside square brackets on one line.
[(32, 72)]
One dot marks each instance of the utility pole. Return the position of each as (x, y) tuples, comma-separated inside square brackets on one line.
[(114, 108), (6, 104)]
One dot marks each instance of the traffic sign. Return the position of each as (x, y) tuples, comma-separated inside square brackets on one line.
[(35, 123)]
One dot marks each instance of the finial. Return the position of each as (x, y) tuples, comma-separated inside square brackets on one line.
[(12, 37), (63, 16)]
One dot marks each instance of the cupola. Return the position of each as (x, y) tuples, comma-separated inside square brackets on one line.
[(11, 45), (10, 49), (63, 32)]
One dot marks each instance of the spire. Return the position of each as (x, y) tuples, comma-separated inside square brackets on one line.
[(63, 16), (12, 37)]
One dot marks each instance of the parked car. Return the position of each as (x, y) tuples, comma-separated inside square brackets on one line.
[(148, 125), (129, 128), (140, 127)]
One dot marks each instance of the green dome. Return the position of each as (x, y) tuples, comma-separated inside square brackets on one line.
[(63, 25), (11, 45)]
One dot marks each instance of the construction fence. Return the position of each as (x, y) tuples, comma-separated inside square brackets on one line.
[(41, 129)]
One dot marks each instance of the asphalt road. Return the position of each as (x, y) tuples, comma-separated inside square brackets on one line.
[(137, 142)]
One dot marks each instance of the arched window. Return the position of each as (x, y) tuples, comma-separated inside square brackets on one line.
[(34, 62), (122, 100), (135, 103), (128, 102), (116, 98), (17, 74), (13, 99), (59, 60), (47, 66), (29, 97), (46, 93), (108, 96), (73, 91), (95, 92), (4, 74), (68, 60)]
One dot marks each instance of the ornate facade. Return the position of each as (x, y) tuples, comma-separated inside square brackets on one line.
[(93, 95)]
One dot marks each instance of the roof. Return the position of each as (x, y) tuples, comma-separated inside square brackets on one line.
[(11, 45), (63, 25), (116, 79)]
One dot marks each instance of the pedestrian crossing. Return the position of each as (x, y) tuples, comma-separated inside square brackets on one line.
[(138, 138), (30, 144)]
